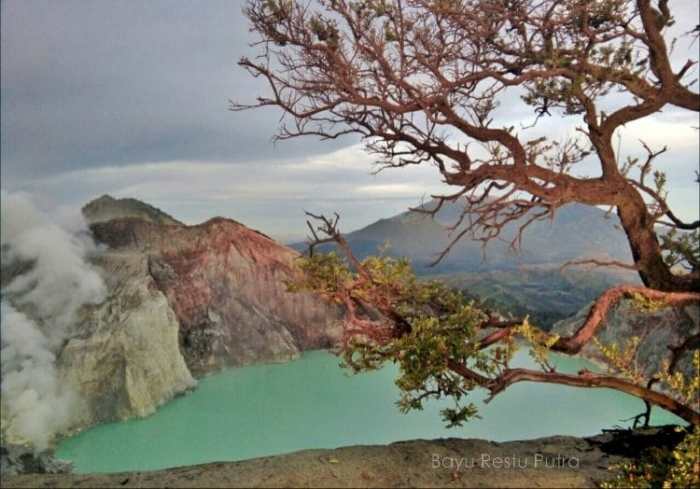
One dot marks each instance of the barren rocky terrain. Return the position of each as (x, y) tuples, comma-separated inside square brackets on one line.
[(558, 461)]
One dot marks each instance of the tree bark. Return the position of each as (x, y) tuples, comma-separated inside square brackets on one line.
[(590, 380), (646, 251), (600, 309)]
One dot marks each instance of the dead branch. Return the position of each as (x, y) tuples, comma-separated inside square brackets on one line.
[(598, 263)]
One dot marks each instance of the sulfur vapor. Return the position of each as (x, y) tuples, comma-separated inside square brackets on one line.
[(46, 279)]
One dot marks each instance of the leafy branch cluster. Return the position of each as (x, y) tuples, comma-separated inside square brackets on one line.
[(663, 469), (445, 346), (686, 388), (432, 326), (622, 360)]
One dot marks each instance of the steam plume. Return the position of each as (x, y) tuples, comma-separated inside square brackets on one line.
[(38, 314)]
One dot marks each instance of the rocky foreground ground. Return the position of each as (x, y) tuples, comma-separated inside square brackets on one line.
[(559, 461)]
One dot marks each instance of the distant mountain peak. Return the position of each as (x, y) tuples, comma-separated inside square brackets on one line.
[(577, 231), (107, 208)]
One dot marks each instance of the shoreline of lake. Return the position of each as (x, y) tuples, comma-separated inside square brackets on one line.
[(414, 463), (310, 403)]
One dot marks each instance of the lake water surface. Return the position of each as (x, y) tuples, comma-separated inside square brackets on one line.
[(313, 403)]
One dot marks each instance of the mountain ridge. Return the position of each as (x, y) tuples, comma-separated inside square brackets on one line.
[(421, 238), (531, 283), (106, 208)]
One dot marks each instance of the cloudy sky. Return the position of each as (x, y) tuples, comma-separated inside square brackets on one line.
[(131, 99)]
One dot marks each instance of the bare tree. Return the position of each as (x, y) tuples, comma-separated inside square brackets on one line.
[(421, 80), (411, 76)]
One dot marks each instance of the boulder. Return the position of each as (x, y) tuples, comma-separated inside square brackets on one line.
[(21, 459), (657, 330)]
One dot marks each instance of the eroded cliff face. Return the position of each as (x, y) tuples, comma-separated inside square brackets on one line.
[(657, 330), (227, 285), (181, 301), (126, 360), (123, 358), (185, 301)]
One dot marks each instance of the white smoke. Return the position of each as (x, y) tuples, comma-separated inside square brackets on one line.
[(38, 313)]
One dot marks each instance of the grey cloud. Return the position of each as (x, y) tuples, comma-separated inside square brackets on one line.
[(104, 83), (116, 85), (269, 196)]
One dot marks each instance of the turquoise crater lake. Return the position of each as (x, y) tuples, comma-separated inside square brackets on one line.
[(313, 403)]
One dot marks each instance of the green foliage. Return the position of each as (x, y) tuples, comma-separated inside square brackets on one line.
[(645, 304), (324, 30), (657, 467), (435, 335), (439, 328), (663, 469), (389, 33), (685, 388), (622, 360), (681, 248), (325, 273), (685, 469), (278, 9), (539, 342)]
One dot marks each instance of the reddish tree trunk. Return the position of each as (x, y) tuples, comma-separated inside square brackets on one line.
[(646, 251)]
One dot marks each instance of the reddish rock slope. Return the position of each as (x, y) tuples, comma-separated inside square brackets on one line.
[(227, 286)]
